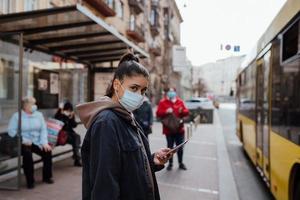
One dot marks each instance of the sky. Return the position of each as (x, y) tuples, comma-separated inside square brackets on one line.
[(210, 23)]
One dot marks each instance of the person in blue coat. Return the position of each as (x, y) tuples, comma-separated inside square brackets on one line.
[(34, 140)]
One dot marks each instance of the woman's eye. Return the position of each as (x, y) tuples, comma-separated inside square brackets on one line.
[(134, 89)]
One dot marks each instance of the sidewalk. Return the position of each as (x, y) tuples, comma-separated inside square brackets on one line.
[(202, 180), (209, 175)]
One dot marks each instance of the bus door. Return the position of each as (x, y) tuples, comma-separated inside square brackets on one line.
[(262, 114)]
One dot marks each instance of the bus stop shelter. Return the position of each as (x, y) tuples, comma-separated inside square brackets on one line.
[(73, 33)]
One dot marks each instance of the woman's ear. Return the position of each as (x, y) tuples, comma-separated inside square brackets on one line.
[(116, 85)]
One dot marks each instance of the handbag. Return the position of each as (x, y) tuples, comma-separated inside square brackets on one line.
[(62, 137), (171, 122), (8, 146), (54, 126)]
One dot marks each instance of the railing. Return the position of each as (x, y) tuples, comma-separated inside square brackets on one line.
[(105, 7), (155, 50), (135, 32)]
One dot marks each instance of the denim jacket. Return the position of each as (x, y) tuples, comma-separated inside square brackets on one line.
[(34, 128)]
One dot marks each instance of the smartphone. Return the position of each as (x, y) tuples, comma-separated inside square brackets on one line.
[(175, 149)]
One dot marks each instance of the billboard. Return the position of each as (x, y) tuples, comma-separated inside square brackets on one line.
[(179, 58)]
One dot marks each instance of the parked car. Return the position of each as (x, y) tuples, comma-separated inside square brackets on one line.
[(200, 106), (199, 102)]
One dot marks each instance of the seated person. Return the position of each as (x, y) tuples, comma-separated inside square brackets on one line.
[(34, 140), (67, 116)]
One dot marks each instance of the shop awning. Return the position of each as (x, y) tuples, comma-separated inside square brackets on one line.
[(73, 33)]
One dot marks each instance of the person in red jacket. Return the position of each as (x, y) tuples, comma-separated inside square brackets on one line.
[(171, 103)]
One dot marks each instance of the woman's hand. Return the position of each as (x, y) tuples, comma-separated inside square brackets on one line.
[(47, 148), (72, 114), (180, 110), (162, 156)]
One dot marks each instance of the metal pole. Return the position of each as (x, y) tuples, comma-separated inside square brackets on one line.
[(21, 53)]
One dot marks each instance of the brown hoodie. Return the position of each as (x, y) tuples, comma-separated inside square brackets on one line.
[(88, 111)]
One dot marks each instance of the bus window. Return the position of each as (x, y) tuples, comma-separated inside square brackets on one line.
[(247, 92), (286, 98)]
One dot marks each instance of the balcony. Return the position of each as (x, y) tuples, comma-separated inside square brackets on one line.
[(154, 29), (137, 5), (155, 50), (105, 7), (135, 32)]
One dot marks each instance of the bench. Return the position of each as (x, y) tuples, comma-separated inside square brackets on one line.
[(9, 151)]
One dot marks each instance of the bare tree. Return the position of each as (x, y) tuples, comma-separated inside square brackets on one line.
[(200, 88)]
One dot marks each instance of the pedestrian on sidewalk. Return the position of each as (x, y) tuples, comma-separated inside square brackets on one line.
[(171, 109), (67, 116), (144, 116), (34, 140), (116, 158)]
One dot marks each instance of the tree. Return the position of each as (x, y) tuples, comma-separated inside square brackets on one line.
[(200, 88)]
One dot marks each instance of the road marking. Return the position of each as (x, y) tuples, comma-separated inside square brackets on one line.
[(201, 157), (202, 142), (202, 190), (191, 141)]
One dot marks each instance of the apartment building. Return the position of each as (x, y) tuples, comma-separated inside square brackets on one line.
[(149, 27)]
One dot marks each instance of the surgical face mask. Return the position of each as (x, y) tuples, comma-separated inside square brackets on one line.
[(130, 100), (67, 113), (171, 94), (34, 108)]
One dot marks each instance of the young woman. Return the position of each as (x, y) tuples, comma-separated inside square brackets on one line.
[(117, 163)]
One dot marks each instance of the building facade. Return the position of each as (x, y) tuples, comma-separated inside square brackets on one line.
[(219, 77)]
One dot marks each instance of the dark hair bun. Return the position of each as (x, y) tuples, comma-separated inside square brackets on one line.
[(128, 57)]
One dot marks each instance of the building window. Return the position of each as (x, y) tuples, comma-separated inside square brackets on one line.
[(110, 3), (154, 21), (166, 22), (132, 23), (30, 5), (6, 79), (7, 6), (120, 9)]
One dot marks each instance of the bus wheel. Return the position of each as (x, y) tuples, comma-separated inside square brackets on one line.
[(241, 132), (296, 195)]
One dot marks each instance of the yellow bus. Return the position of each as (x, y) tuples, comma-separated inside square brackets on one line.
[(268, 114)]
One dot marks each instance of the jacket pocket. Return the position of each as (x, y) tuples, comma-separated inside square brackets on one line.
[(131, 146)]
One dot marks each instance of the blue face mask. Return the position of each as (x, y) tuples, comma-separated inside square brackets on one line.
[(34, 108), (171, 94), (131, 101)]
